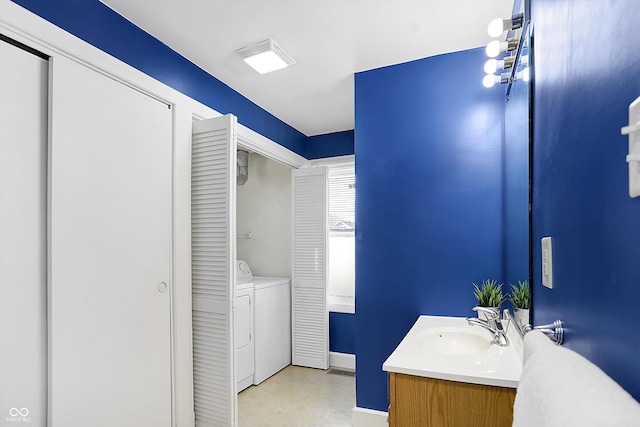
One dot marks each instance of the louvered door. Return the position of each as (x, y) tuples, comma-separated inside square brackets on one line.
[(213, 257), (310, 318)]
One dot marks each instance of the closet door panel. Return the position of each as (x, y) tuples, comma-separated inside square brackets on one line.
[(110, 241), (213, 234), (23, 196), (309, 317)]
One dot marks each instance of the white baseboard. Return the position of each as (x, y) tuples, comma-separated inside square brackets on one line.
[(363, 417), (342, 360)]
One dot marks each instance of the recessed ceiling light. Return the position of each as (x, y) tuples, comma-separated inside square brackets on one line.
[(265, 56)]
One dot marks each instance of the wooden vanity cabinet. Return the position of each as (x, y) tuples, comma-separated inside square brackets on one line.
[(428, 402)]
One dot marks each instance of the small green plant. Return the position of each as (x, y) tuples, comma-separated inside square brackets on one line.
[(489, 294), (520, 295)]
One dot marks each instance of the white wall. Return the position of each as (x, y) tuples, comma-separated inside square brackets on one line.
[(264, 208)]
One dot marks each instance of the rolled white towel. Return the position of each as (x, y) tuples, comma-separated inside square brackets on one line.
[(535, 341), (560, 388)]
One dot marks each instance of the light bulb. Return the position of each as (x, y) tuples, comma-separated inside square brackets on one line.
[(489, 80), (496, 46), (490, 66), (493, 49), (496, 27), (499, 25)]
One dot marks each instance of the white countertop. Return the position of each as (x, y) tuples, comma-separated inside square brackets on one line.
[(496, 366)]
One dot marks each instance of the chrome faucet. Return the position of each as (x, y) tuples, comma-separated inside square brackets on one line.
[(492, 324)]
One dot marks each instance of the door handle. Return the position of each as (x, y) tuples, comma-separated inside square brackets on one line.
[(162, 287)]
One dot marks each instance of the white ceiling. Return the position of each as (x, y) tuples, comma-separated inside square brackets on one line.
[(330, 40)]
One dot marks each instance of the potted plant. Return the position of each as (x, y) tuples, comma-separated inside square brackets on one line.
[(489, 294), (520, 297)]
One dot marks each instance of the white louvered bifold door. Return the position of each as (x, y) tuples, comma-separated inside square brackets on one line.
[(213, 257), (310, 318)]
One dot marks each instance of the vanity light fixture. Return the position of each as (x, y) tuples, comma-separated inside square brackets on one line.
[(491, 79), (499, 25), (496, 47), (265, 56)]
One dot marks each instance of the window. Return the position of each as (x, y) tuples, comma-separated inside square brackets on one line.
[(341, 228), (342, 198)]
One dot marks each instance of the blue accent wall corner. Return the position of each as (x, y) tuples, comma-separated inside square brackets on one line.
[(330, 145), (342, 333)]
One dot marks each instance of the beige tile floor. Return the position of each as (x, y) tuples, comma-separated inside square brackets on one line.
[(299, 397)]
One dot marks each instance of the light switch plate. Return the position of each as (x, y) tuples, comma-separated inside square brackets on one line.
[(547, 263)]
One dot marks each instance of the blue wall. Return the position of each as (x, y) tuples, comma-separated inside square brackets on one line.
[(100, 26), (428, 202), (587, 71), (342, 328), (330, 144)]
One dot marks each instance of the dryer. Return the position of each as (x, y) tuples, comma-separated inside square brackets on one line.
[(272, 326), (262, 326)]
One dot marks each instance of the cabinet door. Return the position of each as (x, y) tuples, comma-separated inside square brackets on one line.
[(310, 318), (419, 401), (109, 252), (23, 260)]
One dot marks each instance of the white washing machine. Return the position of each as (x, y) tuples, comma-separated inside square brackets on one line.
[(243, 326), (272, 326)]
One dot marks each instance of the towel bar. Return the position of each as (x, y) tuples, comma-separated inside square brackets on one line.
[(555, 331)]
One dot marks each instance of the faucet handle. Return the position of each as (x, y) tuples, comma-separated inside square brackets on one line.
[(492, 313)]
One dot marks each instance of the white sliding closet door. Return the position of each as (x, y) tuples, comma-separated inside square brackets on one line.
[(23, 243), (213, 224), (310, 318), (109, 253)]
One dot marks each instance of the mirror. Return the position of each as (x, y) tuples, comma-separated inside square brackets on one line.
[(516, 178)]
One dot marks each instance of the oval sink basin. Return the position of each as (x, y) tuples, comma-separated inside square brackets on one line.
[(454, 341)]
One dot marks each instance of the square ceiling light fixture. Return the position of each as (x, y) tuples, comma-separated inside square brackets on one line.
[(265, 56)]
